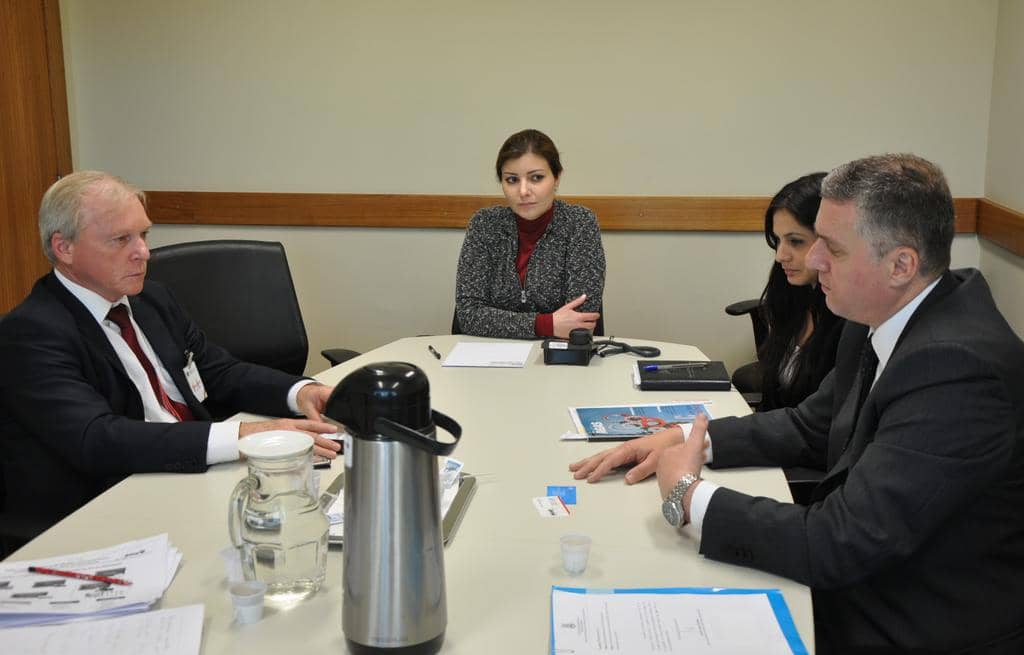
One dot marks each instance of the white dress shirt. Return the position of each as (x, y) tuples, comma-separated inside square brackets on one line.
[(883, 340), (222, 443)]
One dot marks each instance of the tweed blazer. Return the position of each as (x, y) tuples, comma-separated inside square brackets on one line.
[(568, 261)]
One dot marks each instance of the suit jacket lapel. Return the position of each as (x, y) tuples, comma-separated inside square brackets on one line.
[(841, 456), (844, 421), (87, 325)]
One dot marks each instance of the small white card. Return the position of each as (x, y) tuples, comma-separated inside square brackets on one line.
[(550, 507), (194, 381)]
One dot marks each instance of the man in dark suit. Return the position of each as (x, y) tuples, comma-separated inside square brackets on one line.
[(915, 537), (104, 375)]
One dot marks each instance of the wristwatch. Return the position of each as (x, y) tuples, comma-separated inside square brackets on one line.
[(672, 508)]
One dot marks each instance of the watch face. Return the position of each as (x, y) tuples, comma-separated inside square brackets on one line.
[(673, 513)]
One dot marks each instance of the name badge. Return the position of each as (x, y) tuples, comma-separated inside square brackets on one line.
[(192, 375)]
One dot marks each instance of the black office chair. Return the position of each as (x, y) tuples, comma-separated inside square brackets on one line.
[(598, 329), (747, 380), (241, 294)]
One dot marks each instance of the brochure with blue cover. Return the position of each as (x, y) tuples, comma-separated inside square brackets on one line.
[(672, 620), (622, 422)]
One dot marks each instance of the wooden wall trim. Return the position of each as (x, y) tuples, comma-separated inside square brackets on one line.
[(615, 213), (1001, 225), (58, 86)]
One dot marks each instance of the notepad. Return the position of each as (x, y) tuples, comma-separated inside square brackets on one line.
[(489, 354), (681, 375)]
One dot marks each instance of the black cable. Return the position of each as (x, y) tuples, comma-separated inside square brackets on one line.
[(609, 347)]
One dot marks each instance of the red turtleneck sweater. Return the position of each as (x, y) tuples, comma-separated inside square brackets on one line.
[(530, 233)]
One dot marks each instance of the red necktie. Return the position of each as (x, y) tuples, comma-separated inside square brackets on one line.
[(119, 315)]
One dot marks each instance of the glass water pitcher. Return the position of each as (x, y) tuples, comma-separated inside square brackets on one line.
[(274, 517)]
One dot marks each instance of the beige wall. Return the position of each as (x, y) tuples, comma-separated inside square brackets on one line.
[(713, 97), (1004, 177)]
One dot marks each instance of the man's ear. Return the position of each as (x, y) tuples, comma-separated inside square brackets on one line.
[(63, 249), (904, 266)]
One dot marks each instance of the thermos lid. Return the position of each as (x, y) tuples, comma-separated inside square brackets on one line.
[(395, 390)]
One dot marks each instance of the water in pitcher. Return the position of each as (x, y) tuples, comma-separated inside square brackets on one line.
[(291, 562), (276, 522)]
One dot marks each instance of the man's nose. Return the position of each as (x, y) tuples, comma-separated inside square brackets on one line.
[(815, 258), (143, 250)]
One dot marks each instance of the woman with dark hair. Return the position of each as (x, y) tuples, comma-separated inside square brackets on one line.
[(534, 267), (800, 347)]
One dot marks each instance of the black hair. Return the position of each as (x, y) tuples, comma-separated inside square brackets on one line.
[(785, 308)]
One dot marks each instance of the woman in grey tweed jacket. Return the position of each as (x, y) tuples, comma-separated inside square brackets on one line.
[(564, 273)]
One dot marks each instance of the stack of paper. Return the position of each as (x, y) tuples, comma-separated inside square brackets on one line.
[(28, 598)]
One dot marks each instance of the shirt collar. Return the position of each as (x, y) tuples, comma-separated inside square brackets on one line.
[(97, 305), (884, 338)]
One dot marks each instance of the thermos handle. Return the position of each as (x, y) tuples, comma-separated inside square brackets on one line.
[(407, 435)]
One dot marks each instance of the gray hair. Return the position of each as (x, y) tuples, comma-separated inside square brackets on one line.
[(61, 209), (902, 200)]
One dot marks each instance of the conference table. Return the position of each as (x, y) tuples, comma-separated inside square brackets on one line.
[(504, 557)]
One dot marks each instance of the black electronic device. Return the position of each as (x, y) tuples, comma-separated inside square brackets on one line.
[(575, 351)]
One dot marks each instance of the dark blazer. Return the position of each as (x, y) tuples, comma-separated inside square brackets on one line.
[(71, 421), (915, 538)]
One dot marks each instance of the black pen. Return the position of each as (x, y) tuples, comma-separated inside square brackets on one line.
[(434, 352)]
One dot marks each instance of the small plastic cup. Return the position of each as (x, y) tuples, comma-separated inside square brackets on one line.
[(247, 598), (575, 551)]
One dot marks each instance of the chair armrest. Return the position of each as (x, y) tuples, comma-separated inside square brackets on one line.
[(743, 307), (753, 399), (338, 355)]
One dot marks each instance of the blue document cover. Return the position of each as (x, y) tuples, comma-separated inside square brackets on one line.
[(620, 422), (672, 620)]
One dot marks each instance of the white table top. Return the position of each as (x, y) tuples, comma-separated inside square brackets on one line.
[(504, 557)]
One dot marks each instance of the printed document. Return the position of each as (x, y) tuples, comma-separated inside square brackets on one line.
[(658, 621), (161, 632), (493, 354)]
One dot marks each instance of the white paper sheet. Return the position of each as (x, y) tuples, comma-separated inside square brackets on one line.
[(162, 632), (606, 623), (489, 354)]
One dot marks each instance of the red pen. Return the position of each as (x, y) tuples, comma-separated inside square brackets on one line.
[(566, 507), (76, 575)]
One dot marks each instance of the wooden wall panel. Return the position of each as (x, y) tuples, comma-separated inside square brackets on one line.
[(33, 108), (643, 213), (1001, 225)]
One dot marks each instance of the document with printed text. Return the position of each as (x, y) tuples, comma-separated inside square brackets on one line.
[(657, 621), (176, 631), (489, 354)]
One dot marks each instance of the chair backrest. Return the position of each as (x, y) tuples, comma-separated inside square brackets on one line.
[(241, 294)]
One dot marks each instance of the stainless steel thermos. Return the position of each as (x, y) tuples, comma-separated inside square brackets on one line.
[(393, 581)]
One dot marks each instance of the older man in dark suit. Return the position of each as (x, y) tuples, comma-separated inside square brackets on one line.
[(914, 540), (104, 375)]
